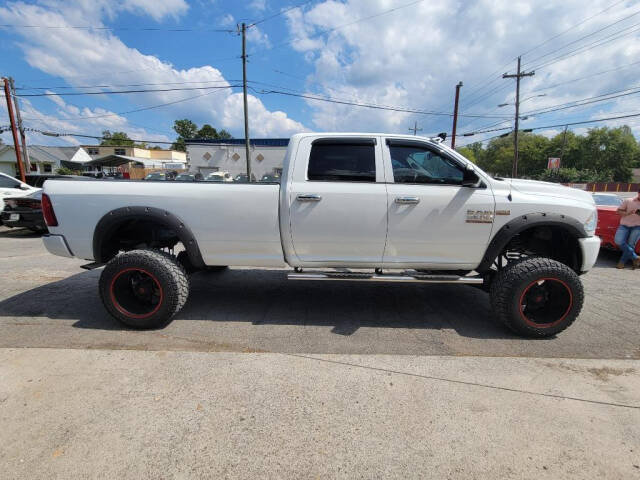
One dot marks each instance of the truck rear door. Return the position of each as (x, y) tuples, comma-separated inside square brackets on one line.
[(338, 201)]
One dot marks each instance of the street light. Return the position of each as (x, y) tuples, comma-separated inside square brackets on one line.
[(522, 101)]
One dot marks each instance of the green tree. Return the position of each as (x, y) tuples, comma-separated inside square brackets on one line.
[(467, 153), (185, 129), (68, 171), (610, 149), (207, 132), (116, 139)]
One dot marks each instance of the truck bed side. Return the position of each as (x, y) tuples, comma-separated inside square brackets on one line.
[(233, 224)]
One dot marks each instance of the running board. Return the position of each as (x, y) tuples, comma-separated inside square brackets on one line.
[(371, 277)]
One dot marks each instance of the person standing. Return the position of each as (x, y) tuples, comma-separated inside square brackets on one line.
[(628, 232)]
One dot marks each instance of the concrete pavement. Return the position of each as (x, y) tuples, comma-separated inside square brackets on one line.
[(131, 415)]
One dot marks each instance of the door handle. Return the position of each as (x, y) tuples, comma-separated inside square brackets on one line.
[(407, 200), (308, 197)]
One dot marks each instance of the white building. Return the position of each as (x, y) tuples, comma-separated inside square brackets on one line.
[(43, 159), (228, 155)]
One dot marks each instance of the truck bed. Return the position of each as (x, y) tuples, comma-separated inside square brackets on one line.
[(234, 223)]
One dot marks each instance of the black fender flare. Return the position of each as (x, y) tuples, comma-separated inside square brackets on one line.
[(113, 219), (522, 223)]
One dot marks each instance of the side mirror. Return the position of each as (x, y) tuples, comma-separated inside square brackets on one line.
[(469, 177), (22, 186)]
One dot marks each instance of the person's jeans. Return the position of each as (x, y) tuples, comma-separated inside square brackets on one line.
[(626, 239)]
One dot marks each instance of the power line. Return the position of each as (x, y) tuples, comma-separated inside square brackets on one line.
[(596, 120), (572, 27), (586, 36), (114, 92), (281, 12), (136, 29), (151, 107), (585, 101), (610, 38), (574, 80), (369, 105), (344, 25), (125, 85), (485, 84), (585, 48), (96, 137)]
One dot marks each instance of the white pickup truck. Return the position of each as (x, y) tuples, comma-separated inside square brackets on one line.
[(350, 207)]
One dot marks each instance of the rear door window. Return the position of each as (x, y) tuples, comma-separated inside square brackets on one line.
[(342, 162)]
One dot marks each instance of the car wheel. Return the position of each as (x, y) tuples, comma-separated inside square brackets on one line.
[(144, 288), (537, 297)]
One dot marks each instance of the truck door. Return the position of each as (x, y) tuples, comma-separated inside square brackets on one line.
[(433, 219), (338, 202)]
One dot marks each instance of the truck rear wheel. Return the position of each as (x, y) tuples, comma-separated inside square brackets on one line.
[(537, 297), (144, 288)]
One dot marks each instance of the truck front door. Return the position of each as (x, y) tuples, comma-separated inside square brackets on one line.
[(338, 202), (433, 220)]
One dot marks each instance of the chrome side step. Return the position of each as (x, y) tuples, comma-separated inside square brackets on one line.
[(374, 277)]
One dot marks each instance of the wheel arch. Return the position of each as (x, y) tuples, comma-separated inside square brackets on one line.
[(106, 234), (569, 226)]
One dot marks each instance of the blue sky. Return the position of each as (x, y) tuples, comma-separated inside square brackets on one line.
[(398, 53)]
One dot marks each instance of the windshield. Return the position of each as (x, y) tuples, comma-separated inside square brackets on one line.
[(607, 200), (155, 176)]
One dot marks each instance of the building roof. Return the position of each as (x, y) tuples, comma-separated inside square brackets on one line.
[(256, 142), (117, 160), (47, 154)]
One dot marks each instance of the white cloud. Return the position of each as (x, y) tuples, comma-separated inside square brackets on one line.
[(414, 56), (260, 5), (257, 36), (76, 54), (227, 20)]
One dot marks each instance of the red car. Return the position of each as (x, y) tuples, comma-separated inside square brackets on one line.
[(608, 219)]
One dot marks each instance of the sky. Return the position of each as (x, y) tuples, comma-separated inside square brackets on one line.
[(404, 56)]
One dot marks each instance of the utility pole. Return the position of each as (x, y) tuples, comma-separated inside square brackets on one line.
[(415, 128), (517, 76), (23, 138), (246, 107), (14, 132), (455, 116)]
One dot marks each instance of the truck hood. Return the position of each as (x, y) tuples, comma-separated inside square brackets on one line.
[(551, 189)]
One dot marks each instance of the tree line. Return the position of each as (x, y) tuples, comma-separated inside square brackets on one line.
[(601, 155), (185, 129)]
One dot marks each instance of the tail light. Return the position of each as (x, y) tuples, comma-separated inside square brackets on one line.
[(31, 203), (47, 211)]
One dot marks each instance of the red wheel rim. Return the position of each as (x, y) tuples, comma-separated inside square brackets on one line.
[(545, 302), (136, 293)]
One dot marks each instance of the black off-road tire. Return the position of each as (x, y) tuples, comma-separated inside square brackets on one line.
[(161, 271), (516, 289)]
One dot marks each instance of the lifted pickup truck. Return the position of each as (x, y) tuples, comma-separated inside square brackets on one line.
[(395, 208)]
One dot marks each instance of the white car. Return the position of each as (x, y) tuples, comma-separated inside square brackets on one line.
[(11, 187), (219, 177), (350, 207)]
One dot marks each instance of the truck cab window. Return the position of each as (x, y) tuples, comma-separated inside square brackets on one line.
[(413, 164), (342, 163)]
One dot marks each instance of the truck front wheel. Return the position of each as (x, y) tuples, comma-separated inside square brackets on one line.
[(537, 297), (144, 288)]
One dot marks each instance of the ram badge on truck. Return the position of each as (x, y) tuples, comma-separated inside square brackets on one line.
[(401, 208)]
